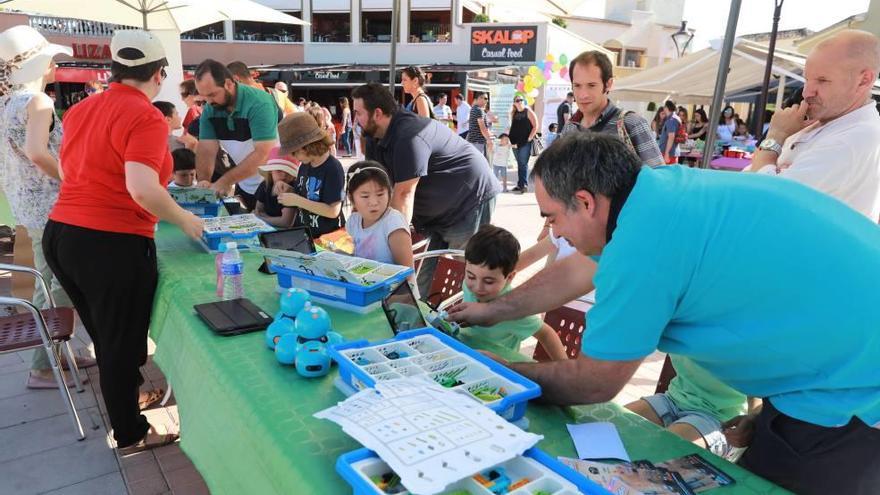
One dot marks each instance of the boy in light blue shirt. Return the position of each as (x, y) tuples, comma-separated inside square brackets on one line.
[(491, 256)]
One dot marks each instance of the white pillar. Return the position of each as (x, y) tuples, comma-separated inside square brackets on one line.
[(780, 92), (356, 22), (170, 90)]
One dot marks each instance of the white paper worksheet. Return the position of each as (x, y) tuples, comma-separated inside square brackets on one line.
[(429, 435)]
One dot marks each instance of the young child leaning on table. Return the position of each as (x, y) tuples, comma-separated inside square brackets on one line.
[(279, 174), (491, 256)]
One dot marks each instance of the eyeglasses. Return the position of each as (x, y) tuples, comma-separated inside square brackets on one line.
[(518, 100)]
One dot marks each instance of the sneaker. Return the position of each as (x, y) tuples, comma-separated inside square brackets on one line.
[(518, 190)]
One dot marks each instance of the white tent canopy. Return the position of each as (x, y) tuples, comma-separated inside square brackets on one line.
[(691, 79)]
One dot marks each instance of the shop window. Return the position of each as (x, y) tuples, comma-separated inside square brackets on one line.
[(633, 58), (268, 31), (209, 32), (331, 27), (376, 26), (430, 26)]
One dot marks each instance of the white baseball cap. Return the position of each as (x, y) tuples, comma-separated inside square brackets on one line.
[(134, 47), (25, 54)]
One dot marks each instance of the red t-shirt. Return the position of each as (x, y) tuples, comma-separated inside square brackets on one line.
[(101, 133), (192, 114)]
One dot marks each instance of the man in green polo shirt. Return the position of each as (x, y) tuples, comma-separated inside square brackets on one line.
[(241, 119)]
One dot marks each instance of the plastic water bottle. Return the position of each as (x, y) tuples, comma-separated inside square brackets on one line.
[(232, 269), (218, 262)]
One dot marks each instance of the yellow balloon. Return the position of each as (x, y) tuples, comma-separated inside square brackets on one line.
[(550, 57), (534, 71), (530, 101), (556, 67), (529, 79)]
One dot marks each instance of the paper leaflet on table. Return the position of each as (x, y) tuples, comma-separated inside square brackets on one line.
[(334, 266), (429, 435), (685, 475), (599, 440)]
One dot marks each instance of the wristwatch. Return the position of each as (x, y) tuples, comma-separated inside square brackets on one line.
[(771, 145)]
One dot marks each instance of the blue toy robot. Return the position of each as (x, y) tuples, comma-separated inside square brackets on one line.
[(306, 345)]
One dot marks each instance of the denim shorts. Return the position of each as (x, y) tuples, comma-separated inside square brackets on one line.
[(709, 427)]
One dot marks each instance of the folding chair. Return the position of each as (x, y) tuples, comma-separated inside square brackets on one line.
[(569, 324), (419, 246), (666, 376), (47, 331), (448, 276)]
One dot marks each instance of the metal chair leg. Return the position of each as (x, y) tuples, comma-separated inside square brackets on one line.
[(65, 394), (167, 396), (71, 362)]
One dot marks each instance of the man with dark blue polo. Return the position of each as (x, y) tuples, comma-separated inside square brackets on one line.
[(241, 119), (441, 183)]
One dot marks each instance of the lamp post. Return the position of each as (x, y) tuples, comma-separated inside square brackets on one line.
[(682, 39), (765, 86)]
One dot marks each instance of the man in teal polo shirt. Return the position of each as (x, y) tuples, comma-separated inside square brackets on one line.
[(241, 119), (766, 284)]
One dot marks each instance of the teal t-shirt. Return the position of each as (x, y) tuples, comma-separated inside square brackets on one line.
[(507, 334), (767, 284), (695, 389)]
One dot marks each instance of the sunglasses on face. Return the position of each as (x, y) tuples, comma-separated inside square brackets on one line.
[(517, 101)]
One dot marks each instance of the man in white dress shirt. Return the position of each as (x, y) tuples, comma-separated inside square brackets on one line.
[(831, 141), (462, 115)]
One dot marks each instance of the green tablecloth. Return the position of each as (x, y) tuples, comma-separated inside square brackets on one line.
[(246, 421)]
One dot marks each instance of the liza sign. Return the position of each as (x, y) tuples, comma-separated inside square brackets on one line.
[(504, 44)]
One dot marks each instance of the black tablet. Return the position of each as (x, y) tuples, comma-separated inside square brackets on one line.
[(402, 309), (296, 239), (233, 317)]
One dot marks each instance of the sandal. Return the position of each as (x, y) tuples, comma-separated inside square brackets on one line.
[(152, 398), (151, 440), (81, 362)]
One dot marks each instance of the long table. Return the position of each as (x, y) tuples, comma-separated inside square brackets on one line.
[(246, 421)]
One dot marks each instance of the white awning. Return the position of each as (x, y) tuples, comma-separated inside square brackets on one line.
[(691, 79)]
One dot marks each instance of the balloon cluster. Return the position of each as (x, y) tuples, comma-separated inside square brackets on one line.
[(540, 73)]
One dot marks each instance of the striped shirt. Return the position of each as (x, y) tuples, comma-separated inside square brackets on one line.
[(636, 127), (474, 134)]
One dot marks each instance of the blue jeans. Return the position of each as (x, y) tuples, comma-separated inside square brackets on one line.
[(453, 237), (522, 153), (346, 140)]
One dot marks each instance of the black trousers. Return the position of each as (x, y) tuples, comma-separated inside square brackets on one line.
[(111, 279), (811, 459)]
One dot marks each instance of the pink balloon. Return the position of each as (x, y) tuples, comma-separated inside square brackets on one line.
[(547, 73), (519, 86)]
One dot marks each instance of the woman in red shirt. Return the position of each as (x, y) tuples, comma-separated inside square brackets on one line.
[(99, 238)]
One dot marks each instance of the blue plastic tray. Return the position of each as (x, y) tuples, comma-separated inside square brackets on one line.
[(204, 210), (248, 240), (427, 358), (354, 468), (335, 290)]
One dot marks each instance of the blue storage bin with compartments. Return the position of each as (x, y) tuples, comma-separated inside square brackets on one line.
[(244, 230), (533, 472), (345, 295), (204, 210), (435, 355)]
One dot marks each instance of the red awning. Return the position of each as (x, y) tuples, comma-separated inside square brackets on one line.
[(81, 75)]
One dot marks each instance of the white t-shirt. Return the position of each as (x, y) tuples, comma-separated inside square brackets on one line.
[(564, 249), (442, 112), (463, 114), (502, 156), (372, 242), (840, 158)]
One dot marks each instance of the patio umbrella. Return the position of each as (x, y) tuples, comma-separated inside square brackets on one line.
[(178, 15), (164, 18)]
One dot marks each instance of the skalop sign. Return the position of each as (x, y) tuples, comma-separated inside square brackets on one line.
[(504, 44)]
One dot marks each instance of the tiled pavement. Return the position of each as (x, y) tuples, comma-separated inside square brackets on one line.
[(39, 453)]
